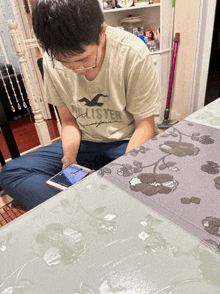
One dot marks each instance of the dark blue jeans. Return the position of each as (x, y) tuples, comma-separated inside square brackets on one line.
[(24, 177)]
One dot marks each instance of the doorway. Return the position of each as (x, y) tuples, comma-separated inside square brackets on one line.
[(213, 81)]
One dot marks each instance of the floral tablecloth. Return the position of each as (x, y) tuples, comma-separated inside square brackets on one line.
[(176, 174)]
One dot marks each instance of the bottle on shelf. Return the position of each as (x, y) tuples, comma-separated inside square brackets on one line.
[(109, 4)]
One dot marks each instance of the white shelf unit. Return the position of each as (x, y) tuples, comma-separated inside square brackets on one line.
[(158, 15), (137, 6)]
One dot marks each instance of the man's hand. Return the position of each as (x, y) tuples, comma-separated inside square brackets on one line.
[(66, 160), (69, 160), (144, 130)]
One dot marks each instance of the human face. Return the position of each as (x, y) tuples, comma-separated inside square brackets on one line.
[(82, 63)]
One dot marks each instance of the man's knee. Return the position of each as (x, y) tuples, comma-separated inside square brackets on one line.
[(8, 172)]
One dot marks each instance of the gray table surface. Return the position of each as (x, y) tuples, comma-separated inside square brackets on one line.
[(96, 238)]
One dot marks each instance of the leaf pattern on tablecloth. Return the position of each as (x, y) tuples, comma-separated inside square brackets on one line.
[(9, 240), (212, 168), (186, 200), (151, 184), (203, 139), (20, 288), (152, 239), (179, 149), (217, 183), (57, 244), (212, 225), (105, 223)]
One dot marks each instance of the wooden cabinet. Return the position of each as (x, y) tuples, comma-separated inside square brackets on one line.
[(157, 15)]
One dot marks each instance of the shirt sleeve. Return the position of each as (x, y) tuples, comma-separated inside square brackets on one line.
[(143, 90), (50, 93)]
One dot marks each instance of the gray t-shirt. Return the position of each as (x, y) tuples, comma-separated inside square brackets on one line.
[(125, 89)]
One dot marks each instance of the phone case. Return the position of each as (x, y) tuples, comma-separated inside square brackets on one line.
[(68, 177)]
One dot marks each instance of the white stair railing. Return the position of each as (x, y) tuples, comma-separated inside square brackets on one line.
[(21, 46)]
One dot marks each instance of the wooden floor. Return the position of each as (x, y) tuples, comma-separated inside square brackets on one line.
[(10, 212), (25, 134)]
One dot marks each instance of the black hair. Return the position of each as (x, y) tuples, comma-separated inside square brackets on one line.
[(152, 35), (65, 26)]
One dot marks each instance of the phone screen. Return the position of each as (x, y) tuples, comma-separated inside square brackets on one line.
[(69, 176)]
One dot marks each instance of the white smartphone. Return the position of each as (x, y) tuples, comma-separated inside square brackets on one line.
[(68, 177)]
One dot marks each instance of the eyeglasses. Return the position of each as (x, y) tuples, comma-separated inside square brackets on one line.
[(78, 70)]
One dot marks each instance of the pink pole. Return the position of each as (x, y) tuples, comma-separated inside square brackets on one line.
[(175, 48)]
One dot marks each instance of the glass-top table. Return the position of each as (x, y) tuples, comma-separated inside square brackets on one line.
[(146, 223), (96, 238)]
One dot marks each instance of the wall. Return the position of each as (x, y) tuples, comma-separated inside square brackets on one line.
[(186, 23), (6, 13)]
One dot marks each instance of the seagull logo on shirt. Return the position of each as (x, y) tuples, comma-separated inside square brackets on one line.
[(94, 101)]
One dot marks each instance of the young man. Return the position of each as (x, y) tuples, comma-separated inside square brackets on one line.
[(104, 84)]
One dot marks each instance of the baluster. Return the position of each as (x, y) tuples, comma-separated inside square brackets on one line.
[(21, 46)]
